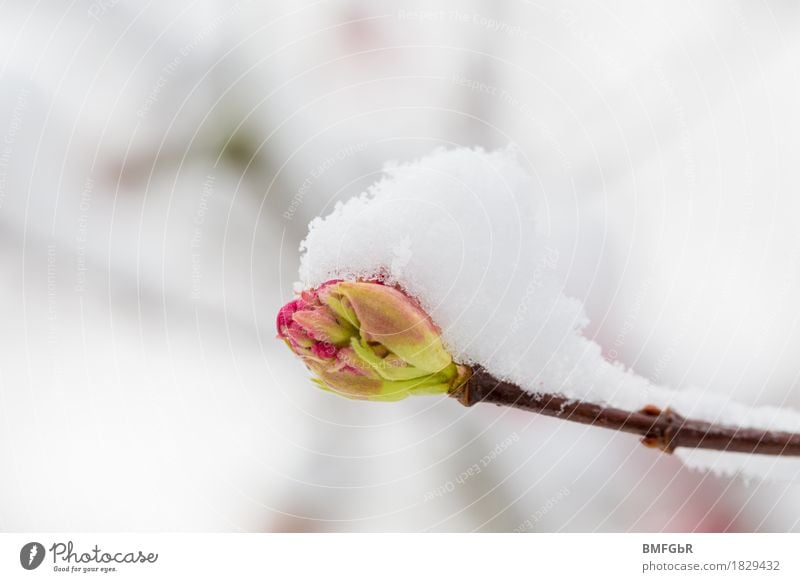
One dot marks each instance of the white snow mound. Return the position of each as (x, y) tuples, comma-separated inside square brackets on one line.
[(462, 231)]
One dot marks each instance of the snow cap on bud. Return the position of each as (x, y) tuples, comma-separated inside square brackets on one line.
[(368, 341)]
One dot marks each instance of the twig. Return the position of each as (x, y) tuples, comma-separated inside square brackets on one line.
[(662, 429)]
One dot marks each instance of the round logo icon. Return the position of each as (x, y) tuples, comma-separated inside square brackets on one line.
[(31, 555)]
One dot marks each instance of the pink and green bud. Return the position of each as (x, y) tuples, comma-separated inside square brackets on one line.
[(368, 341)]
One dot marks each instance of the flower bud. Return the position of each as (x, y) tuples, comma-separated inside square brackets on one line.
[(368, 341)]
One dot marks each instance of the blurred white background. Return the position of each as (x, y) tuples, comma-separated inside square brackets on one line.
[(158, 167)]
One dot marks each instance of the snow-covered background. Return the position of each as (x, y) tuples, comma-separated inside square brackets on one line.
[(159, 165)]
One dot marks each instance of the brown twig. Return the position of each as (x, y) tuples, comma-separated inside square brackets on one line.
[(662, 429)]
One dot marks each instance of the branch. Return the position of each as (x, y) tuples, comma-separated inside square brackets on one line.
[(662, 429)]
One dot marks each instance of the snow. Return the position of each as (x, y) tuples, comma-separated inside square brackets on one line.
[(467, 232)]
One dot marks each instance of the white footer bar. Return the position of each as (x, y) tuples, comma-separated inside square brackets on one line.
[(406, 557)]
